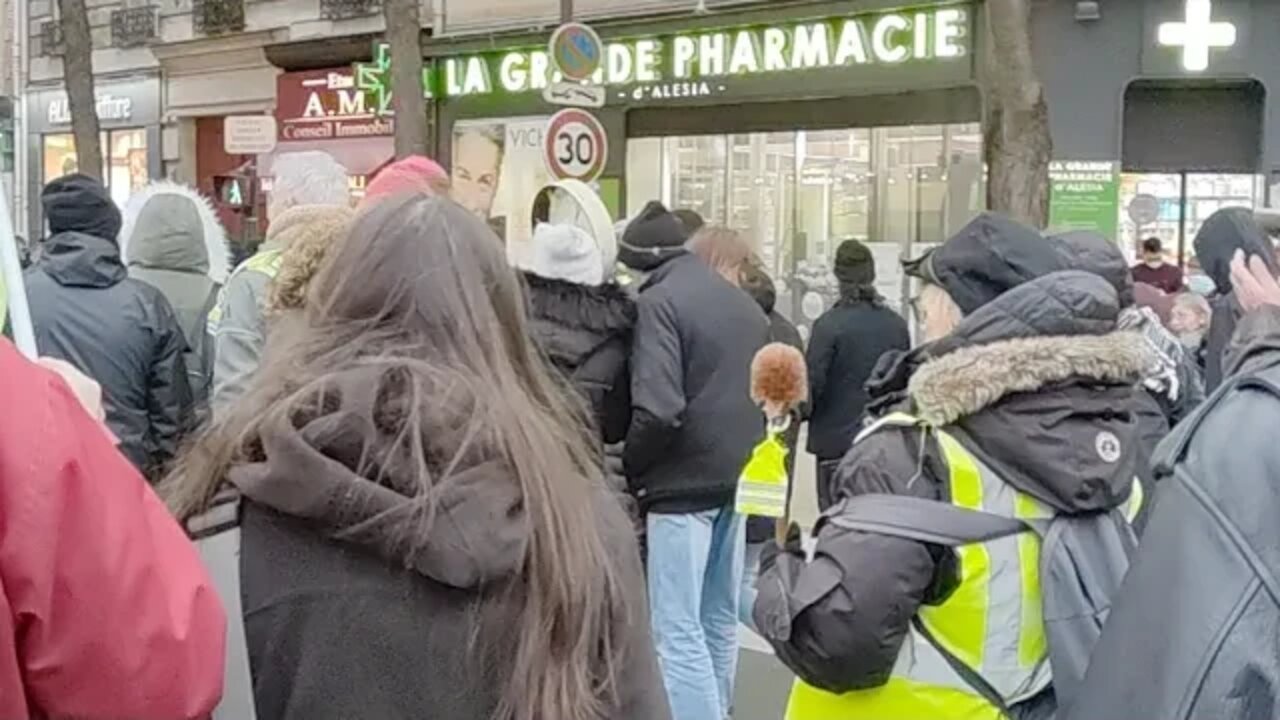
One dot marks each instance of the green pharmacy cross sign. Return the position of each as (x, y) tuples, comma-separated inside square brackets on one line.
[(374, 80)]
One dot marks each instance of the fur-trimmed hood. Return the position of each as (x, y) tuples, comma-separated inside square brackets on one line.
[(570, 321), (973, 379), (1045, 388), (168, 226)]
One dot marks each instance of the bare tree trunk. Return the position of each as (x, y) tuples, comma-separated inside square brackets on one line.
[(77, 71), (403, 30), (1016, 117)]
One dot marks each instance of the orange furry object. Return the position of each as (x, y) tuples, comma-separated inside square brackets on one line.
[(779, 380)]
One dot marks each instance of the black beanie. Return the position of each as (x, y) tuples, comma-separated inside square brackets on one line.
[(855, 265), (652, 238), (78, 203)]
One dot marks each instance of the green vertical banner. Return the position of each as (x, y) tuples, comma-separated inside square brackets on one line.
[(1085, 195)]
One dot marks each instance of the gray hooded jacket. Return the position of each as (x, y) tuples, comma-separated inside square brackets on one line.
[(172, 240), (1193, 634), (1027, 382)]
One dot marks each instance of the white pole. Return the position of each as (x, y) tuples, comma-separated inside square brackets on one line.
[(19, 313)]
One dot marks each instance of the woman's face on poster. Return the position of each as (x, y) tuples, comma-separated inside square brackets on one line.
[(477, 164)]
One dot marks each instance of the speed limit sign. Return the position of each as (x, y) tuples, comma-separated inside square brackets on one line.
[(575, 146)]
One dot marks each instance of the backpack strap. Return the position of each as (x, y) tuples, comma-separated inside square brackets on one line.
[(929, 521), (217, 537), (978, 683)]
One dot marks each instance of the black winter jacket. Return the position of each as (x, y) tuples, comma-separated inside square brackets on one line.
[(693, 423), (1194, 632), (846, 344), (1216, 243), (120, 332), (586, 332), (1028, 383), (344, 619)]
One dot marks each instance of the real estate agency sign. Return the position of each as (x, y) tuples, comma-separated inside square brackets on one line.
[(326, 105)]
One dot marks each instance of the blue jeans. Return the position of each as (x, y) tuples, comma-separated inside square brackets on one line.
[(695, 573), (750, 574)]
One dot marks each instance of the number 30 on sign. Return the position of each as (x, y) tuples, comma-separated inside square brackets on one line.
[(575, 146)]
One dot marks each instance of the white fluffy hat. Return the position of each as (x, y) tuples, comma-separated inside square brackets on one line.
[(567, 252)]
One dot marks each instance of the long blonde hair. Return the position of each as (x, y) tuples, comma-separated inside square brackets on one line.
[(724, 249)]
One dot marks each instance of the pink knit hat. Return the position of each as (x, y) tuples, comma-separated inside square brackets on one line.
[(415, 173)]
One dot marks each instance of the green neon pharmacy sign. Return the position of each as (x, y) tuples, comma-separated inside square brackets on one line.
[(940, 34)]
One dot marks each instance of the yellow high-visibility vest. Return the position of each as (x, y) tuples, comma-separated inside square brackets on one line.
[(267, 262), (992, 622)]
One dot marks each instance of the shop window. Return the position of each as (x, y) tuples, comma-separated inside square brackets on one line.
[(798, 194), (698, 181), (1182, 201), (124, 162)]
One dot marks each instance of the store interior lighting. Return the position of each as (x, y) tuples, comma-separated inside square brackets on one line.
[(1088, 11)]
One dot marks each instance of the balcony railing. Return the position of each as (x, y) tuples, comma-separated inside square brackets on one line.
[(51, 37), (345, 9), (133, 27), (217, 17)]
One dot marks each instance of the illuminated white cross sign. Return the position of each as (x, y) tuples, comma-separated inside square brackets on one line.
[(1197, 35)]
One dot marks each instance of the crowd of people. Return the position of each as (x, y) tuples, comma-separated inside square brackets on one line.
[(375, 471)]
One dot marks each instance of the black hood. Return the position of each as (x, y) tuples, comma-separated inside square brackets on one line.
[(1091, 252), (569, 321), (78, 260), (78, 203), (987, 257), (1225, 232), (1045, 387)]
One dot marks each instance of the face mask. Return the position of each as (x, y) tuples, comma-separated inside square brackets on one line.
[(1201, 285), (1191, 340), (1155, 264)]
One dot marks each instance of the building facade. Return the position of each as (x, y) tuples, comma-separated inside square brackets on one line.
[(803, 124), (1172, 96), (206, 59), (9, 64)]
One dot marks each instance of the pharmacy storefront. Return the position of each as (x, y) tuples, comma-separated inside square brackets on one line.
[(1174, 127), (804, 127), (129, 116)]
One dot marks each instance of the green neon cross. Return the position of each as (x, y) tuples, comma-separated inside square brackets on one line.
[(374, 79)]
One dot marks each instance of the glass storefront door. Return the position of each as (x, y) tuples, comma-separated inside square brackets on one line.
[(1182, 202), (799, 193)]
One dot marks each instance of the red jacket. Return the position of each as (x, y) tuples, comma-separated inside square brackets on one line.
[(106, 611)]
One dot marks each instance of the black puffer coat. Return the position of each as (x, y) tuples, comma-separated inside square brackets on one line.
[(586, 332), (1195, 632), (119, 331), (1028, 382)]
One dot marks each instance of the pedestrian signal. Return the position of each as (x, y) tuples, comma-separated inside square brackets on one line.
[(233, 190)]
